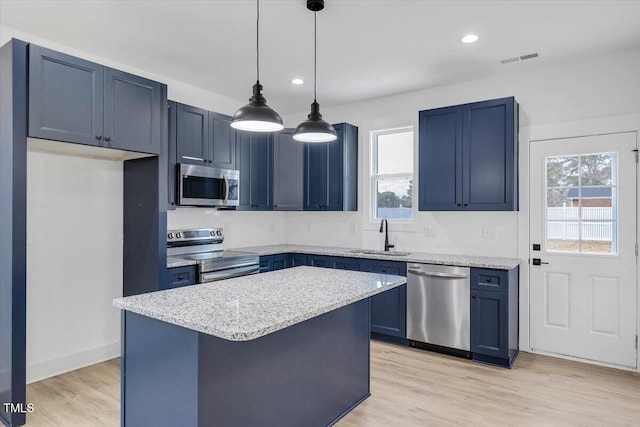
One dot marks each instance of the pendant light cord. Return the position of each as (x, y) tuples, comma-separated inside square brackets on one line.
[(258, 40), (315, 55)]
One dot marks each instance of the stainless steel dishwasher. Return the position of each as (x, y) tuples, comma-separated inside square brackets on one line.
[(438, 305)]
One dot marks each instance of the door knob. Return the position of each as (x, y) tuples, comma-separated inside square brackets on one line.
[(538, 261)]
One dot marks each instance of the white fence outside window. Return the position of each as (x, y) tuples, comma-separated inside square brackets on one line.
[(563, 223)]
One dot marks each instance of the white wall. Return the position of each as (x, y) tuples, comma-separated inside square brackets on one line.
[(74, 262)]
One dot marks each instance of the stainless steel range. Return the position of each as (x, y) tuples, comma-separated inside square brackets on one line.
[(214, 263)]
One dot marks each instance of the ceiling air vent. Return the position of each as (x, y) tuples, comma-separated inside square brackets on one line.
[(519, 58)]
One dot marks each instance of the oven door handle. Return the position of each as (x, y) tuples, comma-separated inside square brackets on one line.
[(227, 274)]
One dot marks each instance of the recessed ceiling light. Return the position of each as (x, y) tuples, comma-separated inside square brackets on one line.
[(297, 81), (470, 38)]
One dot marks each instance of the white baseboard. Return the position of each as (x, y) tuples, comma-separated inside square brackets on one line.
[(51, 368)]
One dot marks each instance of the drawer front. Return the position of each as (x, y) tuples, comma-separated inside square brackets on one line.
[(387, 267), (181, 276), (295, 260), (353, 264), (320, 261), (266, 263), (484, 279), (280, 262)]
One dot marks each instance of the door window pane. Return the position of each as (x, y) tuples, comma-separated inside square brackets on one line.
[(581, 204)]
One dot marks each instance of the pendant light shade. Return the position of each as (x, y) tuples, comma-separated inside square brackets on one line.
[(257, 116), (314, 129)]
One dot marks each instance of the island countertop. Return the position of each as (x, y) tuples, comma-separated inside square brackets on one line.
[(249, 307)]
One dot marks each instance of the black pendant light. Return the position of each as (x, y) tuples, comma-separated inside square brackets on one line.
[(257, 116), (314, 129)]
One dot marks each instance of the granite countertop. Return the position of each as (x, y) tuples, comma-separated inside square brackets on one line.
[(421, 257), (249, 307)]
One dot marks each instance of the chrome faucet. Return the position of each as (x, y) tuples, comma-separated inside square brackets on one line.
[(387, 246)]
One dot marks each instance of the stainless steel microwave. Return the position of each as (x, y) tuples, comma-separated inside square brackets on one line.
[(207, 186)]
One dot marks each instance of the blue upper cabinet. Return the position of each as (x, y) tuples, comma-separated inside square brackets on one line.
[(331, 172), (133, 109), (65, 97), (288, 172), (468, 157), (78, 101), (254, 157), (192, 138), (222, 147), (204, 138)]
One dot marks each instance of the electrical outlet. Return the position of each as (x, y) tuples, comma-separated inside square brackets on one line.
[(428, 232), (489, 232)]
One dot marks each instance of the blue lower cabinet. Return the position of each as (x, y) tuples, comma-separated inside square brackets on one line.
[(494, 316), (353, 264), (181, 276), (280, 262), (320, 261), (389, 309), (295, 260), (266, 263)]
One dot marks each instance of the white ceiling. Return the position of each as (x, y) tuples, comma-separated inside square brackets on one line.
[(366, 49)]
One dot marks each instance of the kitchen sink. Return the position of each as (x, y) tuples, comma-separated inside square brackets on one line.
[(375, 252)]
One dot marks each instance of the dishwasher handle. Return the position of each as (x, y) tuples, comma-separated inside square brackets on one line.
[(438, 274)]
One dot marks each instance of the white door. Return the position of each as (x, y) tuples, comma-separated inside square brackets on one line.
[(583, 299)]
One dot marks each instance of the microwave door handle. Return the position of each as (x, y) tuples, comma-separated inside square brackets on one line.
[(226, 189)]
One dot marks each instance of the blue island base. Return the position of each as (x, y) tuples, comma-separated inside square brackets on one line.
[(309, 374)]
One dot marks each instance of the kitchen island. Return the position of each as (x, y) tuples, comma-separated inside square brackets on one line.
[(285, 348)]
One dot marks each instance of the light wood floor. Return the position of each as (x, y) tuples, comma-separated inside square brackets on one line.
[(408, 388)]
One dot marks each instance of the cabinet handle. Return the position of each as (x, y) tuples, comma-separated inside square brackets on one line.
[(99, 137), (458, 204), (384, 270), (466, 204), (473, 295), (107, 138), (180, 277), (488, 280)]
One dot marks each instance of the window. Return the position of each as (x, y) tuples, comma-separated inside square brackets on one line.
[(392, 173), (581, 211)]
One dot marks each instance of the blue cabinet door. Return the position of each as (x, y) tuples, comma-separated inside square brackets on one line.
[(335, 171), (254, 159), (288, 172), (65, 97), (343, 263), (222, 146), (489, 323), (133, 109), (172, 171), (192, 139), (261, 155), (490, 155), (440, 159), (315, 176), (389, 309)]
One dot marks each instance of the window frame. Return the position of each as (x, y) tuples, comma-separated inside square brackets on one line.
[(374, 177)]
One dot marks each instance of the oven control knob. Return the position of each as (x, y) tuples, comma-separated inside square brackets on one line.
[(219, 232), (170, 236), (212, 233), (178, 235)]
